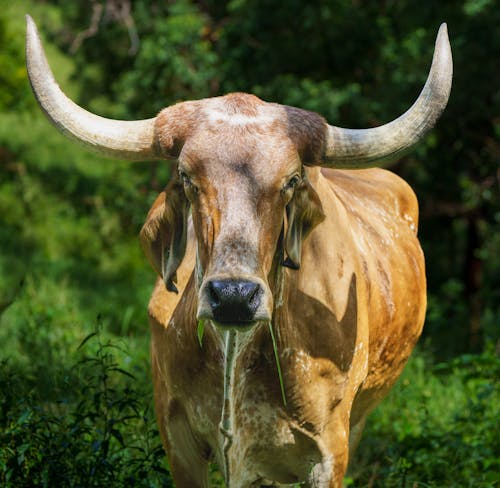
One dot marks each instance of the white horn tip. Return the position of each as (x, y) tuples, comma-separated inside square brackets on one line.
[(443, 48), (442, 36), (31, 30), (30, 23)]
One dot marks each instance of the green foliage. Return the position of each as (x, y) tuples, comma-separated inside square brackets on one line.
[(98, 431), (200, 331), (12, 70), (15, 93), (438, 427), (60, 223), (175, 60)]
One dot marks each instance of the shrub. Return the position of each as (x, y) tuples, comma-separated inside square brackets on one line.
[(438, 427), (99, 432)]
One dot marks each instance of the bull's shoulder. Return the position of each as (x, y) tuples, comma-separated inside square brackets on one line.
[(375, 190)]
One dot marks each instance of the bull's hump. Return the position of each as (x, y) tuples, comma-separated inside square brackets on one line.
[(241, 103)]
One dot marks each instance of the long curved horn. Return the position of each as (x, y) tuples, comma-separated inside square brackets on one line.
[(360, 148), (133, 140)]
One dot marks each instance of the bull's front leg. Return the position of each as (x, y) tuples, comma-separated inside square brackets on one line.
[(185, 453), (330, 472), (195, 476)]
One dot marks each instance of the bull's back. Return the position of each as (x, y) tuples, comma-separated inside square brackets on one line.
[(376, 190), (383, 213)]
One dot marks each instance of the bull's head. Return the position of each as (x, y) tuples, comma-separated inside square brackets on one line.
[(241, 169)]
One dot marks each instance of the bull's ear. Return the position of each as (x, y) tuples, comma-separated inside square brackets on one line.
[(303, 213), (164, 235)]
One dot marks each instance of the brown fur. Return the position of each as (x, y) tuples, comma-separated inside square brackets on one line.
[(174, 125), (307, 130), (346, 321)]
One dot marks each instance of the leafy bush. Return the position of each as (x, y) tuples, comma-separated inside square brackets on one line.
[(438, 427), (98, 432)]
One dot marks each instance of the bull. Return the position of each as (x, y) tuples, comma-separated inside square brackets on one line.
[(296, 257)]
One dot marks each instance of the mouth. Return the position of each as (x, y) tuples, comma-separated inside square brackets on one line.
[(233, 324), (240, 326)]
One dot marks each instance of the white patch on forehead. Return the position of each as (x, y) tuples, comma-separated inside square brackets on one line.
[(216, 116), (217, 113)]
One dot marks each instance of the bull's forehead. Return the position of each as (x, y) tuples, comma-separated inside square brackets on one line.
[(240, 138)]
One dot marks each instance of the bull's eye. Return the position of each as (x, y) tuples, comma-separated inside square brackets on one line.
[(187, 182), (292, 183)]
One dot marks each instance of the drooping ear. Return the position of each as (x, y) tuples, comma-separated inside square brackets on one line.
[(164, 234), (303, 213)]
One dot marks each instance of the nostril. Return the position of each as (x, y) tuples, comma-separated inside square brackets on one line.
[(214, 293), (248, 290), (254, 298)]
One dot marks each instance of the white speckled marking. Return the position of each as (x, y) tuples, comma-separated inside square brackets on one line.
[(320, 474), (411, 222)]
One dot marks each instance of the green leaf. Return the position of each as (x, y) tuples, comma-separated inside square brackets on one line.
[(86, 340), (275, 348), (201, 329)]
